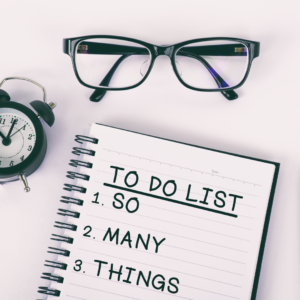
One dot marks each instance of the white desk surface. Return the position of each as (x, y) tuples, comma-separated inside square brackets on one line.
[(263, 122)]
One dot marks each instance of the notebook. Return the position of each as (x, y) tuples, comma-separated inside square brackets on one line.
[(149, 218)]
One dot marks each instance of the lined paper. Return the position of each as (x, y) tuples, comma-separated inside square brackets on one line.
[(166, 220)]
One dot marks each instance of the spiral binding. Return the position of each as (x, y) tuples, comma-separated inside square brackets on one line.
[(68, 213), (78, 163), (66, 226), (82, 138), (74, 175), (49, 276), (71, 200), (78, 151), (76, 188), (59, 251), (61, 238), (64, 212)]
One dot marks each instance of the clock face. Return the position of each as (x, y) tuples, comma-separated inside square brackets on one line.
[(16, 147)]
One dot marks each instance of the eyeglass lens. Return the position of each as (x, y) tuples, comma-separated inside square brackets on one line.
[(112, 63), (212, 64)]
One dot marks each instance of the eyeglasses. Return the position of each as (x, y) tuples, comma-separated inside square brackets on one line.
[(113, 63)]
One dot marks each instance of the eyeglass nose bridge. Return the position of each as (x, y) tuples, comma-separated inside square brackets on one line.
[(164, 50)]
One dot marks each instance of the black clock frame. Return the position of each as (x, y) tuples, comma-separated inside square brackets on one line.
[(35, 158)]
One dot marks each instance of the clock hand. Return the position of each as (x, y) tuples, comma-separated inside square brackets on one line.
[(2, 135), (16, 132), (10, 130)]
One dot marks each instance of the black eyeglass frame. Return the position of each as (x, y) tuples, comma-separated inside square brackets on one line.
[(70, 48)]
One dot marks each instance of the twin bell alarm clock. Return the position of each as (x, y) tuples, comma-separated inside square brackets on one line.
[(23, 141)]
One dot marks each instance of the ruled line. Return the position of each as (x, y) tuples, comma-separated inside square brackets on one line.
[(247, 217), (103, 291), (171, 246), (134, 286), (167, 245), (197, 217), (136, 275), (164, 163), (113, 162), (181, 203), (155, 254), (196, 228), (168, 233), (210, 292), (184, 204), (171, 200), (142, 263), (160, 208)]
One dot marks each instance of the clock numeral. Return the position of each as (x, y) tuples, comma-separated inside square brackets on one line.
[(0, 162), (11, 163), (24, 127), (12, 119), (22, 158), (29, 148), (30, 136), (2, 121)]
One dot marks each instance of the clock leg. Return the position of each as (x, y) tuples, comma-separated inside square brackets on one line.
[(23, 179)]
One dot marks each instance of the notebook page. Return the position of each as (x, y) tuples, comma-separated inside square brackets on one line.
[(166, 220)]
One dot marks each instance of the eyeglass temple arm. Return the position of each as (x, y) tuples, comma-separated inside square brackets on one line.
[(99, 94)]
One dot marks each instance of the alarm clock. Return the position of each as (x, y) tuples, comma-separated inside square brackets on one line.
[(23, 142)]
